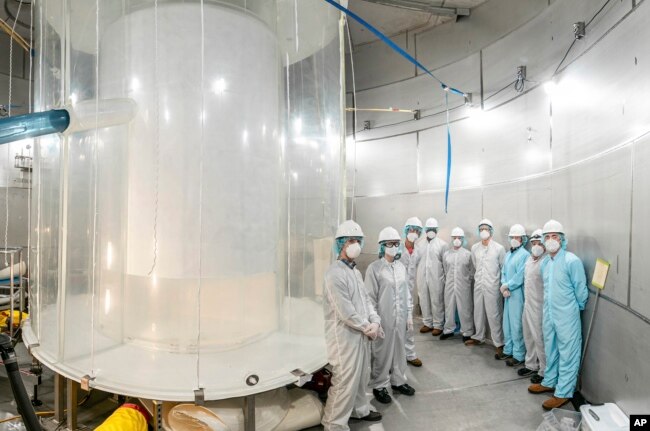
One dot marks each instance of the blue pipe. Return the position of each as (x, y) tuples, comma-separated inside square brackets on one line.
[(33, 125)]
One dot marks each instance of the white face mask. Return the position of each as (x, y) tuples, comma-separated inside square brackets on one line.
[(485, 234), (457, 242), (552, 245), (391, 251), (431, 234), (514, 243), (412, 236), (353, 250), (537, 250)]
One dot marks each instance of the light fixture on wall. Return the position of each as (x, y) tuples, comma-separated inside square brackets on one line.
[(550, 87)]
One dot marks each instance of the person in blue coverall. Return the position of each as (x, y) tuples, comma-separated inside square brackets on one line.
[(512, 289), (565, 296)]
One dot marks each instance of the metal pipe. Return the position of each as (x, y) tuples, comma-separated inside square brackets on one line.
[(32, 125)]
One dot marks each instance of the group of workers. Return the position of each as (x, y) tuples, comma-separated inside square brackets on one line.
[(531, 302)]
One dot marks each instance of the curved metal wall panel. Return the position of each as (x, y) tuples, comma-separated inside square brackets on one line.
[(592, 200), (639, 282)]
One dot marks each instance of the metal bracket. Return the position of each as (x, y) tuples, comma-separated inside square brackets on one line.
[(85, 382), (199, 397), (157, 415), (579, 30), (366, 125)]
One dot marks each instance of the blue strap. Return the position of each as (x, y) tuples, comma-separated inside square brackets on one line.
[(448, 154)]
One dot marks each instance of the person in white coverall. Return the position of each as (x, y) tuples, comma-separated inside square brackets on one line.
[(533, 306), (388, 290), (350, 324), (488, 257), (412, 232), (459, 273), (430, 278)]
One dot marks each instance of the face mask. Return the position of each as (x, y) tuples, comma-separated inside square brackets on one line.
[(485, 234), (431, 234), (412, 236), (514, 243), (552, 245), (391, 251), (353, 250), (537, 250), (457, 242)]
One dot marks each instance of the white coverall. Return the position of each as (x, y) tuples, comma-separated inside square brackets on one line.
[(430, 281), (488, 301), (408, 260), (348, 312), (533, 313), (389, 294), (459, 272)]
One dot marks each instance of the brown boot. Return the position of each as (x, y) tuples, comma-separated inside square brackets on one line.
[(538, 388), (435, 332), (415, 362), (472, 342), (554, 403), (425, 329)]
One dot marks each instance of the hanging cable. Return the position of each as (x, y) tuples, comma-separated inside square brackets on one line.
[(156, 143), (354, 116)]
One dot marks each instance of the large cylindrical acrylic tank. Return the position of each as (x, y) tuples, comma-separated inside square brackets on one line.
[(183, 249)]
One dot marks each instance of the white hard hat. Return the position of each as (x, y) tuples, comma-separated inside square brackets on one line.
[(517, 230), (431, 222), (486, 222), (457, 232), (349, 228), (552, 226), (413, 221), (388, 234), (537, 235)]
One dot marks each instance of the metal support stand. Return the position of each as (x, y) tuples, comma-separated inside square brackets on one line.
[(157, 415), (59, 397), (249, 413), (71, 401), (15, 256)]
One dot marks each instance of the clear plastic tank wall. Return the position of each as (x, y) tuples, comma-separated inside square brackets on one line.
[(183, 250), (580, 155)]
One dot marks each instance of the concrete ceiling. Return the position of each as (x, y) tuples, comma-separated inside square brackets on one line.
[(393, 20)]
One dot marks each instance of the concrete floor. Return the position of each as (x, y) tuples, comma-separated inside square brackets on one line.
[(458, 388)]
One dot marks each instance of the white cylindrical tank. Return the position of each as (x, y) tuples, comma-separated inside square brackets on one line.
[(181, 253)]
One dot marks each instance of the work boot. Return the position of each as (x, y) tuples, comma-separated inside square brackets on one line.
[(523, 372), (445, 336), (537, 378), (372, 417), (382, 395), (415, 362), (404, 389), (435, 332), (554, 403), (424, 329), (472, 342), (538, 388), (513, 362), (466, 340), (500, 355)]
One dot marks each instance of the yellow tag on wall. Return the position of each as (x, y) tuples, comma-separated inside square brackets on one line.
[(600, 274)]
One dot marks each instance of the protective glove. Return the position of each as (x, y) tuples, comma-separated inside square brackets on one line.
[(409, 324), (372, 331), (506, 293), (381, 334), (503, 288)]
